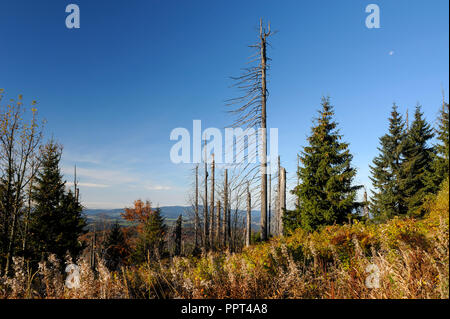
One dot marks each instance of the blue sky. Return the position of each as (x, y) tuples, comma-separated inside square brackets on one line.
[(113, 90)]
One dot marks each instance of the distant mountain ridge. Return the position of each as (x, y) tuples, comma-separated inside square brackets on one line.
[(168, 212)]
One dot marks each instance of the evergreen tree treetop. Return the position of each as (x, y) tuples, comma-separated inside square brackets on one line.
[(326, 192), (116, 247), (418, 154), (386, 171), (57, 220), (442, 131)]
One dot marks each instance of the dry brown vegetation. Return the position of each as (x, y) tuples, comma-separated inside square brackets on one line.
[(412, 257)]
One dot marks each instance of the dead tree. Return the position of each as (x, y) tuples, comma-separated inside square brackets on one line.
[(229, 238), (251, 110), (278, 208), (248, 231), (196, 218), (225, 209), (205, 206), (211, 223), (270, 204), (263, 47), (218, 225), (407, 121), (366, 204), (177, 235), (298, 179), (282, 198)]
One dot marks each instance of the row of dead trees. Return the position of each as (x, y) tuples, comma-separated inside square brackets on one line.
[(223, 220)]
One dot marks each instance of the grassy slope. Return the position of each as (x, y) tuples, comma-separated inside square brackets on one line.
[(411, 256)]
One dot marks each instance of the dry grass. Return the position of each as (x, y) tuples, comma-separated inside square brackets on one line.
[(412, 257)]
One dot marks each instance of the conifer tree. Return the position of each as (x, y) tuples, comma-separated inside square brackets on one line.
[(417, 166), (56, 221), (326, 193), (151, 240), (443, 146), (440, 160), (388, 200), (116, 248)]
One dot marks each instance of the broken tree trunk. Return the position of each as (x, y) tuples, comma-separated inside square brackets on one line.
[(205, 207), (248, 231), (177, 234), (282, 198), (366, 204), (298, 179), (211, 211), (196, 222), (218, 225), (263, 35), (270, 204), (225, 209), (277, 208)]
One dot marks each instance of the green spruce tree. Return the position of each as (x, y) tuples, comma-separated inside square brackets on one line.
[(387, 200), (116, 248), (417, 164), (326, 193), (150, 243), (57, 220), (443, 146), (440, 163)]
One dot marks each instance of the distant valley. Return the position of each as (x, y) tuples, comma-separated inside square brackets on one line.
[(170, 213)]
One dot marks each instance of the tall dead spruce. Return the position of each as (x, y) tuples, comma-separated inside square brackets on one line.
[(250, 108), (205, 206)]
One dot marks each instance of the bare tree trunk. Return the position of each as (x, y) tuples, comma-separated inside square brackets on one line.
[(282, 198), (27, 218), (196, 221), (211, 226), (264, 134), (298, 179), (248, 231), (252, 111), (278, 214), (270, 204), (229, 221), (407, 121), (178, 231), (225, 209), (366, 203), (218, 225), (205, 207)]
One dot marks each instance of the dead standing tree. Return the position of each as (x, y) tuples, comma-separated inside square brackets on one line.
[(225, 210), (205, 205), (248, 231), (211, 211), (218, 226), (278, 207), (196, 219), (192, 214), (251, 110), (282, 199)]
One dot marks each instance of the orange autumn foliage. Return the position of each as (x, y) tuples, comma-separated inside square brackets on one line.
[(139, 214)]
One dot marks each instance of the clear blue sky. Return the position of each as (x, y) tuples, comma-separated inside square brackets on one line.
[(113, 90)]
